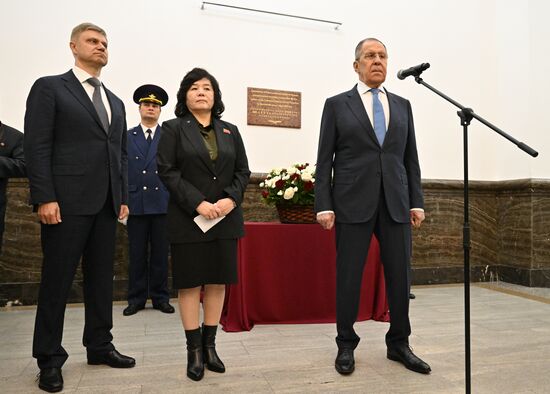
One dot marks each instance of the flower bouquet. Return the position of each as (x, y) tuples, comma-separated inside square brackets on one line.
[(291, 190)]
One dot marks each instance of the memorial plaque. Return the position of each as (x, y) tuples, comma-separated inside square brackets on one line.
[(279, 108)]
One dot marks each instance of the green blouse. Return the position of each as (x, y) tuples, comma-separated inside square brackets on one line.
[(209, 138)]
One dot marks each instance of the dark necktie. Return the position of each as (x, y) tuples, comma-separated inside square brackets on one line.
[(98, 103), (149, 138), (378, 115)]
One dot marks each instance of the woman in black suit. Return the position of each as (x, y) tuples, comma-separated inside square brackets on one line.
[(202, 161)]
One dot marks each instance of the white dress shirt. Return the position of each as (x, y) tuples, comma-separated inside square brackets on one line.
[(366, 97), (145, 128), (82, 77)]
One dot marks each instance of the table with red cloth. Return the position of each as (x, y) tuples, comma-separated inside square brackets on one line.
[(287, 274)]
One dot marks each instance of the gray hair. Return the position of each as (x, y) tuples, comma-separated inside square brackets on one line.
[(86, 26), (359, 46)]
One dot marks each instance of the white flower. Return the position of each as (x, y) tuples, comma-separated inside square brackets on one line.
[(280, 193), (292, 170), (262, 184), (295, 188), (307, 177), (286, 177), (289, 193), (274, 180)]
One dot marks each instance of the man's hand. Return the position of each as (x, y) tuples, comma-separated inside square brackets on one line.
[(124, 212), (417, 217), (49, 213), (326, 220), (208, 210), (225, 205)]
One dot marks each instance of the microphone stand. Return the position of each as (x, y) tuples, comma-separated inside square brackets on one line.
[(466, 115)]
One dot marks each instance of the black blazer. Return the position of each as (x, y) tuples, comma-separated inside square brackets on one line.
[(185, 167), (12, 160), (70, 158), (349, 147)]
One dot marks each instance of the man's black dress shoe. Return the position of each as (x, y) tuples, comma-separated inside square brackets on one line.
[(405, 356), (113, 359), (412, 296), (164, 307), (344, 363), (50, 380), (132, 309)]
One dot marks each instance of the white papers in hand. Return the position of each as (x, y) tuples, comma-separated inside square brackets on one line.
[(206, 224)]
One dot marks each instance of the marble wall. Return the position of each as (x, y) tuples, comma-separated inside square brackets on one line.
[(509, 221), (524, 232)]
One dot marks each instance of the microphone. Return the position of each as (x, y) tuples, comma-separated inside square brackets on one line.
[(415, 70)]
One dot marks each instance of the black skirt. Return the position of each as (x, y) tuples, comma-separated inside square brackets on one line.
[(200, 263)]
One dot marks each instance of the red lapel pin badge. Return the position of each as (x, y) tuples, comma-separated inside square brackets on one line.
[(226, 131)]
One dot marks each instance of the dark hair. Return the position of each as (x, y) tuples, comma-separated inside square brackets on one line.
[(190, 78)]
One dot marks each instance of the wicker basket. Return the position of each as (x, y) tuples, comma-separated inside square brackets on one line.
[(296, 213)]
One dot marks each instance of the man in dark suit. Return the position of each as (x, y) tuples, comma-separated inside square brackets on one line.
[(75, 149), (368, 181), (12, 165), (148, 202)]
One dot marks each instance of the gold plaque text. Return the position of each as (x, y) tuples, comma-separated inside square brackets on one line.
[(279, 108)]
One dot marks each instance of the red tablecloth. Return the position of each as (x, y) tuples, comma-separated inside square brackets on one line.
[(287, 274)]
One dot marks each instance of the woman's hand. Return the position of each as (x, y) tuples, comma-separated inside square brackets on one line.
[(225, 205), (208, 210)]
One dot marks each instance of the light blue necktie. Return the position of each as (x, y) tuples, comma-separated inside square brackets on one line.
[(379, 118)]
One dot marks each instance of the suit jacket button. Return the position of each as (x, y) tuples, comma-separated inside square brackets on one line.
[(145, 172), (156, 188), (137, 157), (144, 187), (156, 172), (214, 178)]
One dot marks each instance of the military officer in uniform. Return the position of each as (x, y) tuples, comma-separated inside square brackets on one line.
[(148, 201)]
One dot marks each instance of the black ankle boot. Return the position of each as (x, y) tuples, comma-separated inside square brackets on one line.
[(195, 363), (211, 358)]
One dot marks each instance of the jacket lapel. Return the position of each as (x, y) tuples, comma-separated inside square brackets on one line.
[(138, 139), (75, 88), (115, 112), (192, 133), (394, 115), (358, 109)]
